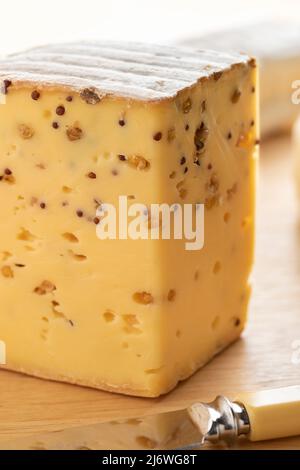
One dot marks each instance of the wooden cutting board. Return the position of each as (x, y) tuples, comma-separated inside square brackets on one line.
[(260, 360)]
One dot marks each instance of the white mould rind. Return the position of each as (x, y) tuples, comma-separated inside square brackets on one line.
[(144, 72)]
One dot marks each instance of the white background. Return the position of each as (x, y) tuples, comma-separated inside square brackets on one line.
[(26, 23)]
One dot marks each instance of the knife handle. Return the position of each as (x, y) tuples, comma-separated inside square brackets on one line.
[(264, 415), (272, 414)]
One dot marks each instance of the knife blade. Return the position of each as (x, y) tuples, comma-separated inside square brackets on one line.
[(261, 415)]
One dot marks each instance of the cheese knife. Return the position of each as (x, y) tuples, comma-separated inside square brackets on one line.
[(261, 415)]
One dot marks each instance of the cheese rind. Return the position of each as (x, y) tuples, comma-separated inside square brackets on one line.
[(132, 316), (125, 70)]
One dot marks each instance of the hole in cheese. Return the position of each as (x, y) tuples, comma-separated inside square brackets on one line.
[(70, 237), (109, 316), (217, 267), (215, 322)]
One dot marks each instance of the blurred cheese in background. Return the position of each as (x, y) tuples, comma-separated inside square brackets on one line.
[(276, 45), (296, 152)]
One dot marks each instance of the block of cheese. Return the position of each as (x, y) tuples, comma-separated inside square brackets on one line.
[(296, 153), (276, 45), (82, 125)]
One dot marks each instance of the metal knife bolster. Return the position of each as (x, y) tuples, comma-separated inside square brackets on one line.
[(221, 420)]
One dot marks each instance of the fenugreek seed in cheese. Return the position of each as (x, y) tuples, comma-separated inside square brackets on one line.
[(86, 123), (276, 45)]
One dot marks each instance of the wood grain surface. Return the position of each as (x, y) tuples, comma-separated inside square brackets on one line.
[(261, 359)]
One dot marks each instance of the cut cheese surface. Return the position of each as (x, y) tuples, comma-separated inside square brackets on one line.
[(132, 316), (276, 45)]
